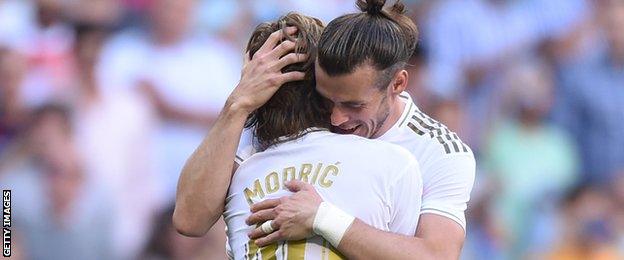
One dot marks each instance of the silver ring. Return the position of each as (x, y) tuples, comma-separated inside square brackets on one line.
[(266, 227)]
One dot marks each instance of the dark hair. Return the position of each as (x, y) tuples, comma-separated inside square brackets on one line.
[(296, 106), (382, 37)]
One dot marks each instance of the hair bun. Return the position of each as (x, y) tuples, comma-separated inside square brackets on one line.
[(372, 7)]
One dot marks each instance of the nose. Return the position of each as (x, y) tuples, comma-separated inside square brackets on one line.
[(338, 117)]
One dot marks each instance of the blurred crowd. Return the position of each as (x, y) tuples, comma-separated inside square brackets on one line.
[(102, 101)]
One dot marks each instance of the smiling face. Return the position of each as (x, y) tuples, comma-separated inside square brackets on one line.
[(358, 105)]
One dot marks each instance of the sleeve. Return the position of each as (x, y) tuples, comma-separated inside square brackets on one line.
[(405, 197), (448, 185), (246, 147)]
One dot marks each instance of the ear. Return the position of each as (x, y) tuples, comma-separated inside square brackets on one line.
[(399, 83)]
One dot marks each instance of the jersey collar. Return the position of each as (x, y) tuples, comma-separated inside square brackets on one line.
[(409, 106)]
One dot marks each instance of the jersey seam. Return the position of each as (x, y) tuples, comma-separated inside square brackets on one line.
[(445, 214)]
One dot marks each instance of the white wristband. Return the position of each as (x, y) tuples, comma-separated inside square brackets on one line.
[(331, 223)]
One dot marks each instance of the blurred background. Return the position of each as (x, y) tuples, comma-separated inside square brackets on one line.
[(102, 101)]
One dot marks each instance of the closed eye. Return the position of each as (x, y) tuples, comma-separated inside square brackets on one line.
[(353, 105)]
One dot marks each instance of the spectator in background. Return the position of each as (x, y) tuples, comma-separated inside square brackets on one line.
[(187, 80), (524, 150), (13, 112), (486, 237), (447, 111), (58, 212), (467, 40), (470, 41), (470, 44), (617, 188), (464, 34), (113, 133), (590, 103), (166, 243), (47, 44), (17, 21), (104, 12), (588, 232)]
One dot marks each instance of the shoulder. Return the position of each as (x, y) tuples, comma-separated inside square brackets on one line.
[(374, 150), (246, 146), (439, 151), (428, 139)]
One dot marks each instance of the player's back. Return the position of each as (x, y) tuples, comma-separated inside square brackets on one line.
[(377, 182)]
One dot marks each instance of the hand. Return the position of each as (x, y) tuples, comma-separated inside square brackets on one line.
[(293, 216), (261, 76)]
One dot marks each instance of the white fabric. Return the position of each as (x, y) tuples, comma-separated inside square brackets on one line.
[(377, 182), (447, 177), (331, 223)]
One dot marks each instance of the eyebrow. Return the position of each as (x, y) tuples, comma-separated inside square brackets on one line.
[(352, 103), (348, 103)]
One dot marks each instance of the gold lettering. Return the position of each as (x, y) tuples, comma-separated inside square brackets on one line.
[(329, 252), (316, 173), (296, 249), (272, 178), (288, 175), (306, 169), (269, 252), (323, 181), (256, 193)]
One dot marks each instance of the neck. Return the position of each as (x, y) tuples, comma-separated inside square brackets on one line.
[(396, 109)]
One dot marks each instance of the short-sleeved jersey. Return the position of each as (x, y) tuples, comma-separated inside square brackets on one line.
[(377, 182), (446, 163)]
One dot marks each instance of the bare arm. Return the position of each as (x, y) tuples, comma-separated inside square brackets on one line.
[(437, 237), (205, 178)]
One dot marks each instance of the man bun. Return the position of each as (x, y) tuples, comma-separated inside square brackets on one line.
[(372, 7), (376, 7)]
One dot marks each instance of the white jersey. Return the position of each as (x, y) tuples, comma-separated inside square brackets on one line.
[(447, 164), (377, 182)]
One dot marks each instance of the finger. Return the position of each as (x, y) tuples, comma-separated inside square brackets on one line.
[(265, 204), (292, 58), (290, 76), (274, 38), (282, 49), (269, 239), (296, 185), (260, 216), (258, 233)]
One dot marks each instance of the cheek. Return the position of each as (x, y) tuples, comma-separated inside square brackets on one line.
[(364, 116)]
